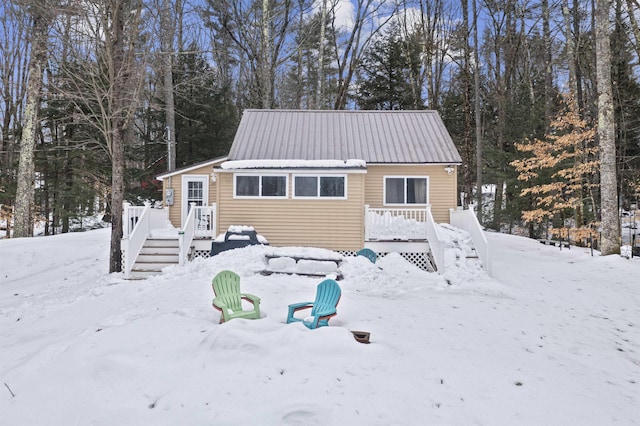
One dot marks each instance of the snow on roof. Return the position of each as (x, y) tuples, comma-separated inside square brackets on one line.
[(181, 170), (289, 164)]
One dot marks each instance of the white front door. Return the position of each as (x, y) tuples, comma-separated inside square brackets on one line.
[(195, 190)]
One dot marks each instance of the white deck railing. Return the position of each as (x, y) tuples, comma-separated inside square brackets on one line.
[(200, 222), (382, 224), (131, 217), (137, 234), (436, 243), (394, 224), (137, 223), (467, 220)]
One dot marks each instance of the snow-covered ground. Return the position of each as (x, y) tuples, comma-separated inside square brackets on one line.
[(552, 339)]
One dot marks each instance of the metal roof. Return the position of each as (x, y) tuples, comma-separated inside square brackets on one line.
[(372, 136)]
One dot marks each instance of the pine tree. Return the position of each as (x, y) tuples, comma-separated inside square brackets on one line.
[(205, 120), (385, 74)]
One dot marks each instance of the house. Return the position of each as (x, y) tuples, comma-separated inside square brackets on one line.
[(339, 180)]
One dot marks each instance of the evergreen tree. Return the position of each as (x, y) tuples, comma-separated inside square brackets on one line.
[(71, 163), (205, 119), (384, 74)]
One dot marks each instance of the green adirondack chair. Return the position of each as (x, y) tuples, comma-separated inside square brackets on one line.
[(322, 309), (228, 299)]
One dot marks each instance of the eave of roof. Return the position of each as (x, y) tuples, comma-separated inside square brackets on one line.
[(191, 167)]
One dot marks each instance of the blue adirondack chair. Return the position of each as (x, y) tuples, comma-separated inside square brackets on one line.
[(322, 309), (228, 299), (368, 253)]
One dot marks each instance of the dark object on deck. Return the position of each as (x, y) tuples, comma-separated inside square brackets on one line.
[(233, 240)]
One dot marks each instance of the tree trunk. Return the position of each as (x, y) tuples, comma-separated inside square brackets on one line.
[(320, 84), (548, 66), (478, 113), (25, 191), (634, 5), (265, 56), (467, 178), (610, 240), (123, 95), (166, 37), (571, 55)]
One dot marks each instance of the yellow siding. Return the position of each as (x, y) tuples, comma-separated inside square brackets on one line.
[(330, 224), (175, 182), (442, 186)]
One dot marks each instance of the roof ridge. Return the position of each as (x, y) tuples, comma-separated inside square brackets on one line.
[(365, 111)]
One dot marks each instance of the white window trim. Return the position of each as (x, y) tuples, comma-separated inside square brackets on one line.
[(318, 175), (384, 190), (260, 196), (184, 185)]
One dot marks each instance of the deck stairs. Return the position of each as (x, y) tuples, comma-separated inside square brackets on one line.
[(156, 254), (464, 252)]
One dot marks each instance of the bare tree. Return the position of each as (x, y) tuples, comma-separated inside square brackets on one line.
[(14, 60), (632, 7), (166, 40), (610, 222), (24, 202), (571, 53), (467, 138), (321, 45), (260, 31), (122, 34), (102, 81), (437, 23), (478, 111), (369, 18)]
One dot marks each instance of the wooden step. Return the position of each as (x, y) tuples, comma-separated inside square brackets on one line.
[(159, 250), (155, 255), (158, 258), (162, 242)]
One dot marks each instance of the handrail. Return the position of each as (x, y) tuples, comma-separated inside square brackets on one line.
[(205, 221), (131, 216), (200, 222), (467, 220), (136, 238), (436, 243), (185, 236)]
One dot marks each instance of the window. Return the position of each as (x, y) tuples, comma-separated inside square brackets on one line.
[(405, 190), (195, 193), (319, 186), (260, 186)]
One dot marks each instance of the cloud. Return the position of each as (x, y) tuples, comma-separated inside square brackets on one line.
[(342, 9)]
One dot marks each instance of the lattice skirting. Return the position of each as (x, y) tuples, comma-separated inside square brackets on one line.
[(421, 260), (200, 253)]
